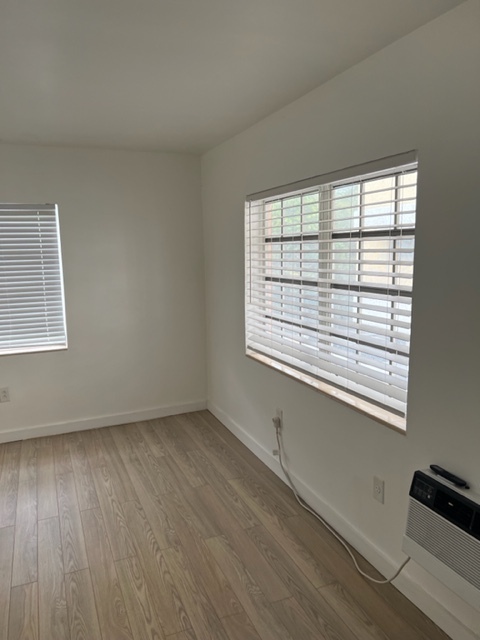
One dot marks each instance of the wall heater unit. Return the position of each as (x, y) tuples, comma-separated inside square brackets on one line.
[(443, 533)]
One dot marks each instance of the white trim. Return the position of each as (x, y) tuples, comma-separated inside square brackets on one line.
[(371, 410), (405, 583), (374, 166), (25, 433), (8, 206)]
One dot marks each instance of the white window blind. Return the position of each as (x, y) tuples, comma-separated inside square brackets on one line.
[(32, 309), (329, 274)]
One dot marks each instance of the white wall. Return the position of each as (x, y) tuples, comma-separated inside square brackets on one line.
[(133, 266), (422, 92)]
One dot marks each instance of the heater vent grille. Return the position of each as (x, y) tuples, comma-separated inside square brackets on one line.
[(456, 549)]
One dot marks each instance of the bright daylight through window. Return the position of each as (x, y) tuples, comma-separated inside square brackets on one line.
[(329, 274), (32, 309)]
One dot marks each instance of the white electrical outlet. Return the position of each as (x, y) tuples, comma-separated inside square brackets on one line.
[(379, 489), (4, 395)]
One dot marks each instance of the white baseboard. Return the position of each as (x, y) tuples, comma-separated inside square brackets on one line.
[(405, 583), (100, 421)]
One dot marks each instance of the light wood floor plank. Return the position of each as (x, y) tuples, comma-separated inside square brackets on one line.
[(61, 455), (145, 452), (93, 443), (173, 435), (263, 573), (353, 616), (314, 606), (416, 619), (156, 516), (389, 593), (375, 607), (25, 551), (272, 484), (9, 471), (320, 613), (151, 464), (73, 543), (28, 461), (284, 565), (82, 611), (216, 450), (206, 569), (118, 472), (271, 501), (114, 518), (173, 475), (240, 627), (86, 493), (52, 603), (267, 624), (191, 509), (46, 483), (184, 635), (140, 608), (226, 491), (24, 613), (126, 446), (233, 442), (111, 610), (225, 451), (6, 560), (178, 444), (147, 430), (300, 626), (313, 569), (168, 477), (201, 613), (218, 511), (163, 591)]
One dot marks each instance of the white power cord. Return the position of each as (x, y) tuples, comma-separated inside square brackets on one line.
[(304, 505)]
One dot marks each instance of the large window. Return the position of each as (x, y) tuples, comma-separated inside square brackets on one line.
[(329, 274), (32, 310)]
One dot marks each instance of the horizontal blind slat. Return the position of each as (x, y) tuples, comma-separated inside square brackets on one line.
[(337, 353), (323, 367)]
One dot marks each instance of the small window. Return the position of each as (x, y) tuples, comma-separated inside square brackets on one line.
[(329, 275), (32, 308)]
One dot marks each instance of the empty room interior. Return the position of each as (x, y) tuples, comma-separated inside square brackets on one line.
[(239, 320)]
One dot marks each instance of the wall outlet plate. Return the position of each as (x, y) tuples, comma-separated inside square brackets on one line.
[(279, 415), (379, 489)]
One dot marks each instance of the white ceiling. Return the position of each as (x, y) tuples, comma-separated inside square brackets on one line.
[(177, 75)]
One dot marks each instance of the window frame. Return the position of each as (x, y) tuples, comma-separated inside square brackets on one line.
[(395, 166), (32, 292)]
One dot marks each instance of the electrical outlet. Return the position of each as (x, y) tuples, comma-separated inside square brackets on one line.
[(4, 395), (279, 416), (379, 489)]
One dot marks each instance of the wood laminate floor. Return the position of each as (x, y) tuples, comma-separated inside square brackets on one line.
[(172, 529)]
